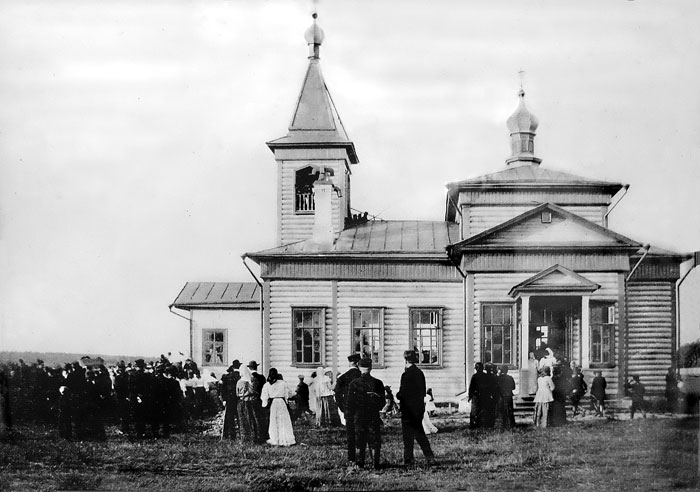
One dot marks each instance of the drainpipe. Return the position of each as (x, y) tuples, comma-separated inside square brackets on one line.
[(183, 317), (610, 209), (464, 315), (646, 248), (262, 312)]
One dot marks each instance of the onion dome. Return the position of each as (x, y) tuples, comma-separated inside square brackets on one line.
[(522, 120), (314, 38), (522, 125)]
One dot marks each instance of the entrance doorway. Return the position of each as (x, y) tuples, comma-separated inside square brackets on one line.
[(555, 323)]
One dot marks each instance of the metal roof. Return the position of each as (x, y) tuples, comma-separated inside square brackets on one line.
[(218, 295), (530, 175), (315, 121), (390, 238)]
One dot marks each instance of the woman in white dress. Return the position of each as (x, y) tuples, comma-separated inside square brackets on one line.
[(328, 410), (544, 396), (428, 426), (275, 393), (531, 374)]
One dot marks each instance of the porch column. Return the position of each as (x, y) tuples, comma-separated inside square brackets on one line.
[(585, 332), (524, 344)]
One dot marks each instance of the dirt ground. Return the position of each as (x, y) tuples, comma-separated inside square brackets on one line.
[(658, 453)]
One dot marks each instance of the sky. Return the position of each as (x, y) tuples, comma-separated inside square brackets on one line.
[(132, 135)]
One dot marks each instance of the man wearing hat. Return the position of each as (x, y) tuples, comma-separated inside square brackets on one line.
[(258, 381), (121, 392), (341, 392), (140, 394), (228, 395), (412, 397), (365, 398)]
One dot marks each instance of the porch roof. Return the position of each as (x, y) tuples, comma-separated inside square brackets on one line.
[(218, 295), (555, 279)]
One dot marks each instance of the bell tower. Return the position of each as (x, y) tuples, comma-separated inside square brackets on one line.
[(315, 150)]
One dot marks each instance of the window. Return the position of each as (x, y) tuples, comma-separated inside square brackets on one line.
[(497, 334), (214, 348), (304, 190), (426, 324), (546, 217), (602, 334), (308, 336), (367, 326)]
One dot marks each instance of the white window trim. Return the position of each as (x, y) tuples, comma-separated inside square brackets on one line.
[(440, 329)]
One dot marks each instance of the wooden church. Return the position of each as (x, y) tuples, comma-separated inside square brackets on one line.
[(523, 261)]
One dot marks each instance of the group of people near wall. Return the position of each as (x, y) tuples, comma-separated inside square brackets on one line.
[(491, 396)]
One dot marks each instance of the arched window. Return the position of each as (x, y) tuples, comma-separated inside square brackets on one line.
[(303, 190)]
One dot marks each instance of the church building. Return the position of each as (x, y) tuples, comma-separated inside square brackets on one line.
[(523, 260)]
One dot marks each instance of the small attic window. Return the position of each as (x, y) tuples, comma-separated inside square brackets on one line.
[(546, 217)]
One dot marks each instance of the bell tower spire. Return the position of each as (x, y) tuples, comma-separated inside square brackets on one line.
[(316, 140)]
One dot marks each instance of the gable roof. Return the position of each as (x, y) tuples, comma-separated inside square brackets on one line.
[(218, 295), (567, 230), (379, 238), (557, 278), (315, 122)]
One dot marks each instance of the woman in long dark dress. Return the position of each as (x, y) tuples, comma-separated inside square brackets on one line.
[(506, 386), (561, 389), (248, 416)]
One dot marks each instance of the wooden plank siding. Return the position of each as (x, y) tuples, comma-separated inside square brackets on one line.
[(396, 299), (536, 261), (651, 322), (534, 231), (562, 197), (481, 218), (295, 227), (360, 270)]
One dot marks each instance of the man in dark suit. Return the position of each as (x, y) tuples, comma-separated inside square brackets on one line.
[(479, 394), (341, 394), (412, 397), (228, 395), (365, 398)]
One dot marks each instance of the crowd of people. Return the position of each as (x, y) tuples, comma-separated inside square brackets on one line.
[(153, 399), (553, 383), (81, 397)]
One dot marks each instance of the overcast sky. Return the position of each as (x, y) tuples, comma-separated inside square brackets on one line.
[(132, 135)]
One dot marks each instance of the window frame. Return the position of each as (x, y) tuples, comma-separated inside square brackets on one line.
[(321, 335), (375, 364), (224, 345), (439, 330), (512, 363), (610, 327)]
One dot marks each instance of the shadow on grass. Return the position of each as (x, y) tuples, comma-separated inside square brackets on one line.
[(677, 457)]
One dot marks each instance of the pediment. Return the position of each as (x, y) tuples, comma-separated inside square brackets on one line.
[(545, 226), (555, 280)]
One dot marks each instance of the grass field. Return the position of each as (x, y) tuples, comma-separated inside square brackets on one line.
[(598, 455)]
